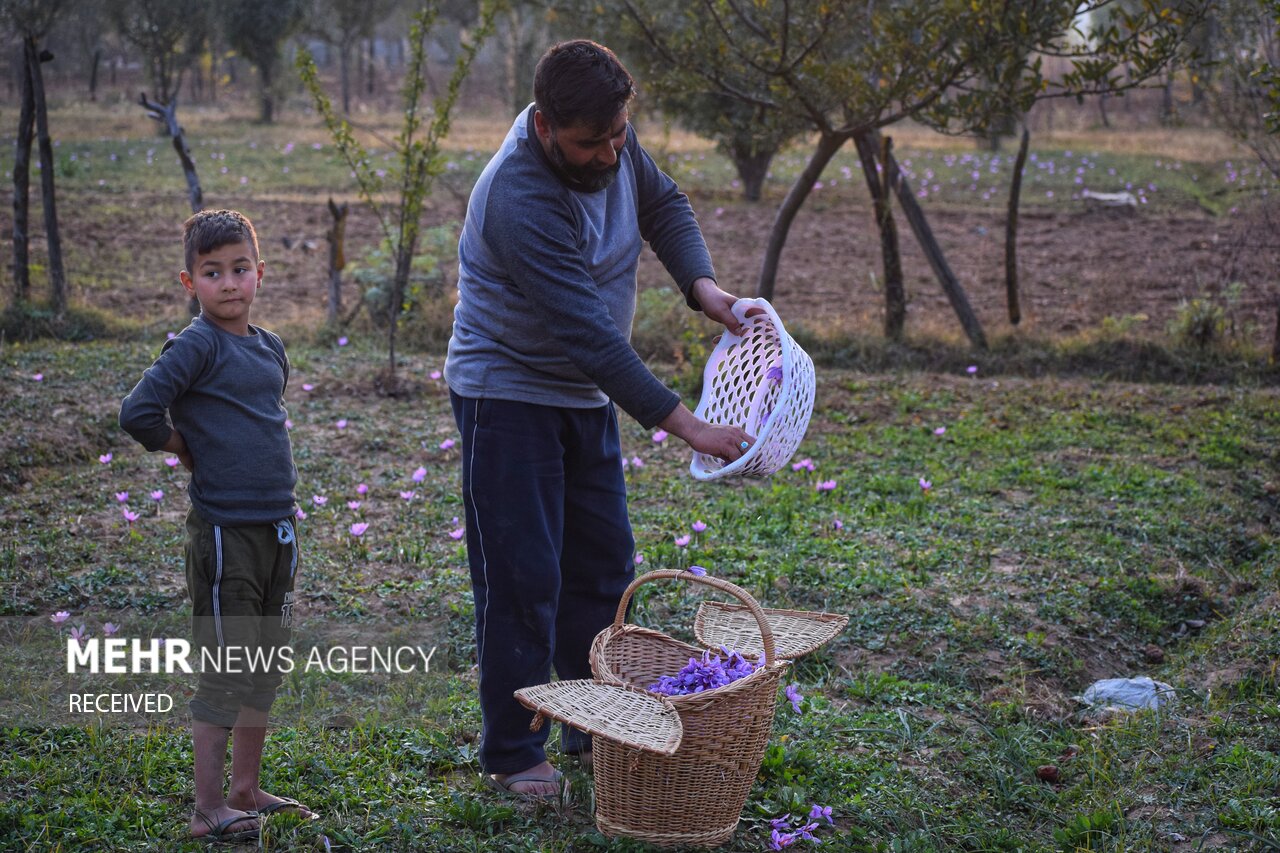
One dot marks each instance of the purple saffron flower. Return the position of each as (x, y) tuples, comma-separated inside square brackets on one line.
[(637, 462), (353, 505), (697, 571), (699, 526), (435, 374), (105, 459), (288, 423), (779, 840), (971, 369), (925, 485), (783, 822), (109, 628), (38, 377), (940, 431), (362, 489), (447, 444), (837, 524), (122, 496), (805, 464), (319, 500), (341, 423), (408, 496), (300, 515), (307, 386), (79, 633), (130, 517), (820, 813), (342, 342), (419, 475), (457, 534), (639, 558), (359, 528), (794, 697), (172, 461), (157, 495), (682, 541), (826, 485), (660, 436), (806, 832), (60, 617)]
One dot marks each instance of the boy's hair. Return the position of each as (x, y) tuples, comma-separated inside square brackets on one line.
[(581, 82), (213, 229)]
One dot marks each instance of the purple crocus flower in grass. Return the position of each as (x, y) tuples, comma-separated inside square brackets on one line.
[(458, 534), (682, 541), (794, 697), (157, 495), (637, 462), (110, 628), (940, 431), (38, 377), (699, 526), (362, 489), (105, 459), (359, 528), (435, 374), (779, 840), (660, 436), (130, 517), (821, 813), (639, 558), (806, 832), (341, 424), (408, 496), (172, 461), (447, 444), (60, 617), (319, 500), (122, 496), (783, 822), (925, 485), (342, 342), (697, 571), (299, 514), (79, 633), (419, 475), (826, 485)]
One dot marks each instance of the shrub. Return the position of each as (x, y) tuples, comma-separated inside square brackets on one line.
[(30, 321)]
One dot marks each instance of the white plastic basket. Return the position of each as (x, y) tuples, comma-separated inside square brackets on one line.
[(762, 382)]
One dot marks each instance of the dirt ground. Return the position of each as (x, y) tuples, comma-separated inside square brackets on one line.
[(1077, 266)]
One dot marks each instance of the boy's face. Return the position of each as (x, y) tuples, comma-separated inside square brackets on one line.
[(225, 282)]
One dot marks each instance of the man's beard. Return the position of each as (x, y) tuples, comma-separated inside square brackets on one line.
[(583, 178)]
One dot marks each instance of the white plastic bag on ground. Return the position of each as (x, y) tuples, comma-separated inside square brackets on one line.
[(1128, 694)]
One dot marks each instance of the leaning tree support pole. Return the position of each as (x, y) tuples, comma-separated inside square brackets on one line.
[(895, 300), (1011, 231), (336, 235), (57, 276), (828, 145), (924, 235), (22, 183), (167, 114)]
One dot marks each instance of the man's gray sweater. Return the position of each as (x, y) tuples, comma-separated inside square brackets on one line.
[(547, 280), (225, 394)]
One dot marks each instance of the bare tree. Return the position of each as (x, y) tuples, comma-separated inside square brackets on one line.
[(344, 24)]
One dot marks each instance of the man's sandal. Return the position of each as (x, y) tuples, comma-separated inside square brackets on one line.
[(504, 785), (218, 833), (289, 806)]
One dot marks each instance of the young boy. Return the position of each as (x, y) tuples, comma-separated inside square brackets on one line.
[(215, 399)]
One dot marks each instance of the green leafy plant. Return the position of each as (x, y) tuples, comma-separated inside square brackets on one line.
[(419, 146)]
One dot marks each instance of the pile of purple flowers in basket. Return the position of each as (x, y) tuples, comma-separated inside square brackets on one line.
[(705, 673)]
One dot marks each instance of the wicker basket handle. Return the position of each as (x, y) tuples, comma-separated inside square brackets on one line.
[(766, 633)]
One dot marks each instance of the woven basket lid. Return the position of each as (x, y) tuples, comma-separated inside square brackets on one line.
[(795, 632), (625, 715)]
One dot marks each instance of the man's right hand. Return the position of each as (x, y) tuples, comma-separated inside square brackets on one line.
[(723, 442)]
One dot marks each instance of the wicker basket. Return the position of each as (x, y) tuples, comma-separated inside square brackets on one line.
[(762, 382), (692, 793)]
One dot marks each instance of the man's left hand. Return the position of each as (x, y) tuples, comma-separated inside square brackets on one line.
[(718, 305)]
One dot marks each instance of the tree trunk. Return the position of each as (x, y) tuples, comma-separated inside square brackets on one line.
[(752, 169), (267, 104), (57, 277), (22, 182), (895, 302), (1102, 110), (344, 64), (167, 115), (93, 74), (404, 261), (924, 235), (827, 147), (1275, 342), (337, 259), (1167, 111), (1011, 231)]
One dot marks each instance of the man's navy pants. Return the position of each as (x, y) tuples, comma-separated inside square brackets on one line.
[(550, 548)]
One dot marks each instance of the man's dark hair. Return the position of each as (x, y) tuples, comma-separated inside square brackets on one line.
[(213, 229), (581, 82)]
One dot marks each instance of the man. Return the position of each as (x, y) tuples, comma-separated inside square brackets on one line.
[(547, 292)]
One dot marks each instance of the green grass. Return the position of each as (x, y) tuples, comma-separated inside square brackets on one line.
[(1071, 524)]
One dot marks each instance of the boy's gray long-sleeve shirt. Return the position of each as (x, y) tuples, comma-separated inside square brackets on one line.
[(547, 280), (225, 394)]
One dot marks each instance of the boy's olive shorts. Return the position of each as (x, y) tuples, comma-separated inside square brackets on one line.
[(240, 580)]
